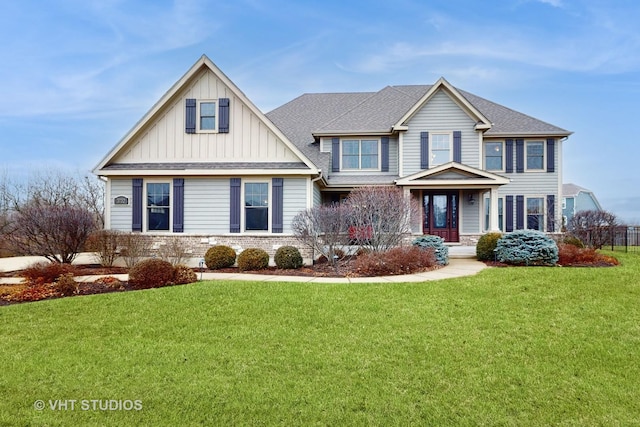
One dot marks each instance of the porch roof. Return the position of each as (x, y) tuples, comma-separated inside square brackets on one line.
[(453, 175)]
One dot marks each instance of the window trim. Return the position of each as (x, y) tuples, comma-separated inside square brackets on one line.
[(243, 214), (487, 212), (145, 206), (543, 226), (432, 134), (502, 150), (215, 102), (360, 168), (544, 155)]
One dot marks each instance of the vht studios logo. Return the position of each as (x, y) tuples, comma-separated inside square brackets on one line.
[(88, 405)]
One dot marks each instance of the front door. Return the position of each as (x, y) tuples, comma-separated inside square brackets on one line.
[(440, 214)]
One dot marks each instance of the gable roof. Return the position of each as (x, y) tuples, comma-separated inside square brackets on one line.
[(572, 190), (326, 114), (453, 174), (203, 63)]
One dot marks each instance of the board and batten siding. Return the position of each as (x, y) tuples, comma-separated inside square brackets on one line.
[(440, 114), (164, 138), (120, 215)]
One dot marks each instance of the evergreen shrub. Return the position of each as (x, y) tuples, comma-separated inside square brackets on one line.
[(436, 243), (527, 247), (219, 256), (288, 257), (486, 246), (253, 259)]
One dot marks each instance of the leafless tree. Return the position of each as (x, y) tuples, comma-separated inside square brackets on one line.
[(323, 229), (380, 217), (593, 227)]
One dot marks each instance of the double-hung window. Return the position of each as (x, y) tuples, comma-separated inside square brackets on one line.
[(535, 155), (487, 213), (360, 154), (440, 148), (256, 206), (493, 158), (207, 116), (535, 213), (158, 206)]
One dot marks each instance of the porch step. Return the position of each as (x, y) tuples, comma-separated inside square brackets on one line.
[(461, 252)]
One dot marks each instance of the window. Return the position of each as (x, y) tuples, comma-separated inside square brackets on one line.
[(207, 120), (360, 154), (564, 203), (440, 148), (158, 206), (487, 211), (493, 156), (535, 213), (256, 206), (535, 155)]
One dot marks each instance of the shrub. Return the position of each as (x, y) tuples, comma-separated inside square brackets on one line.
[(110, 282), (174, 250), (253, 259), (436, 243), (485, 248), (288, 257), (527, 247), (105, 244), (135, 247), (66, 285), (184, 275), (338, 255), (573, 240), (399, 260), (46, 272), (570, 255), (219, 256), (35, 292), (151, 273)]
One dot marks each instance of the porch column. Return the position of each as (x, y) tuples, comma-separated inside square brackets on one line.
[(493, 210)]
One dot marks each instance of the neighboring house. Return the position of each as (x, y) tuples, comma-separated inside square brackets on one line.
[(207, 164), (576, 199)]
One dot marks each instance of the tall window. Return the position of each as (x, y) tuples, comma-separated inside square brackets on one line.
[(158, 206), (535, 213), (440, 148), (487, 212), (493, 156), (256, 205), (360, 154), (535, 155), (207, 115)]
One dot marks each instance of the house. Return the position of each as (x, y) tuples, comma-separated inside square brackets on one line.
[(576, 199), (206, 164)]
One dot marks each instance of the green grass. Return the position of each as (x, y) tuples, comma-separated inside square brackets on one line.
[(510, 346)]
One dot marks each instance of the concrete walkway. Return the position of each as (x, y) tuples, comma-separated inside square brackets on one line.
[(462, 262)]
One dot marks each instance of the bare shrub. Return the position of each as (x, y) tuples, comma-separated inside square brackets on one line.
[(323, 229), (174, 251), (105, 244), (134, 248), (594, 228)]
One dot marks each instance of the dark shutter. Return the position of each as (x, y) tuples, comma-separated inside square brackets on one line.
[(384, 148), (335, 155), (551, 213), (508, 155), (509, 213), (234, 206), (178, 205), (519, 212), (278, 202), (223, 113), (457, 146), (424, 150), (551, 155), (190, 116), (519, 155), (136, 205)]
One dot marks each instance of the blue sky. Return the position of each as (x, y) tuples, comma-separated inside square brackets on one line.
[(77, 74)]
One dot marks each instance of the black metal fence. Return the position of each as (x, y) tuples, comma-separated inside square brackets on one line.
[(625, 239)]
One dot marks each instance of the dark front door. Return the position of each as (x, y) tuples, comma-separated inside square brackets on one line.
[(440, 214)]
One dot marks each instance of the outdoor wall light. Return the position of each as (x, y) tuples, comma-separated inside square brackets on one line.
[(471, 199)]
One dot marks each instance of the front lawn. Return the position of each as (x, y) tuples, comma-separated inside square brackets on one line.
[(510, 346)]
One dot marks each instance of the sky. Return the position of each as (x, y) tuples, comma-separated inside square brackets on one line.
[(76, 75)]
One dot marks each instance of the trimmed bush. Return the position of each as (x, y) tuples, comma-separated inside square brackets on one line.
[(151, 273), (253, 259), (219, 256), (400, 260), (66, 285), (486, 246), (184, 275), (527, 247), (288, 257), (436, 243)]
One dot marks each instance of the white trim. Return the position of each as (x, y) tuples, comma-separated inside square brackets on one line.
[(145, 208), (243, 206), (484, 155), (544, 155), (431, 155), (544, 212), (378, 168), (215, 102)]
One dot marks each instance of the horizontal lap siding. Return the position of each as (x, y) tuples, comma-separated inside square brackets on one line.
[(469, 213), (440, 113), (206, 205), (295, 200), (120, 218)]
